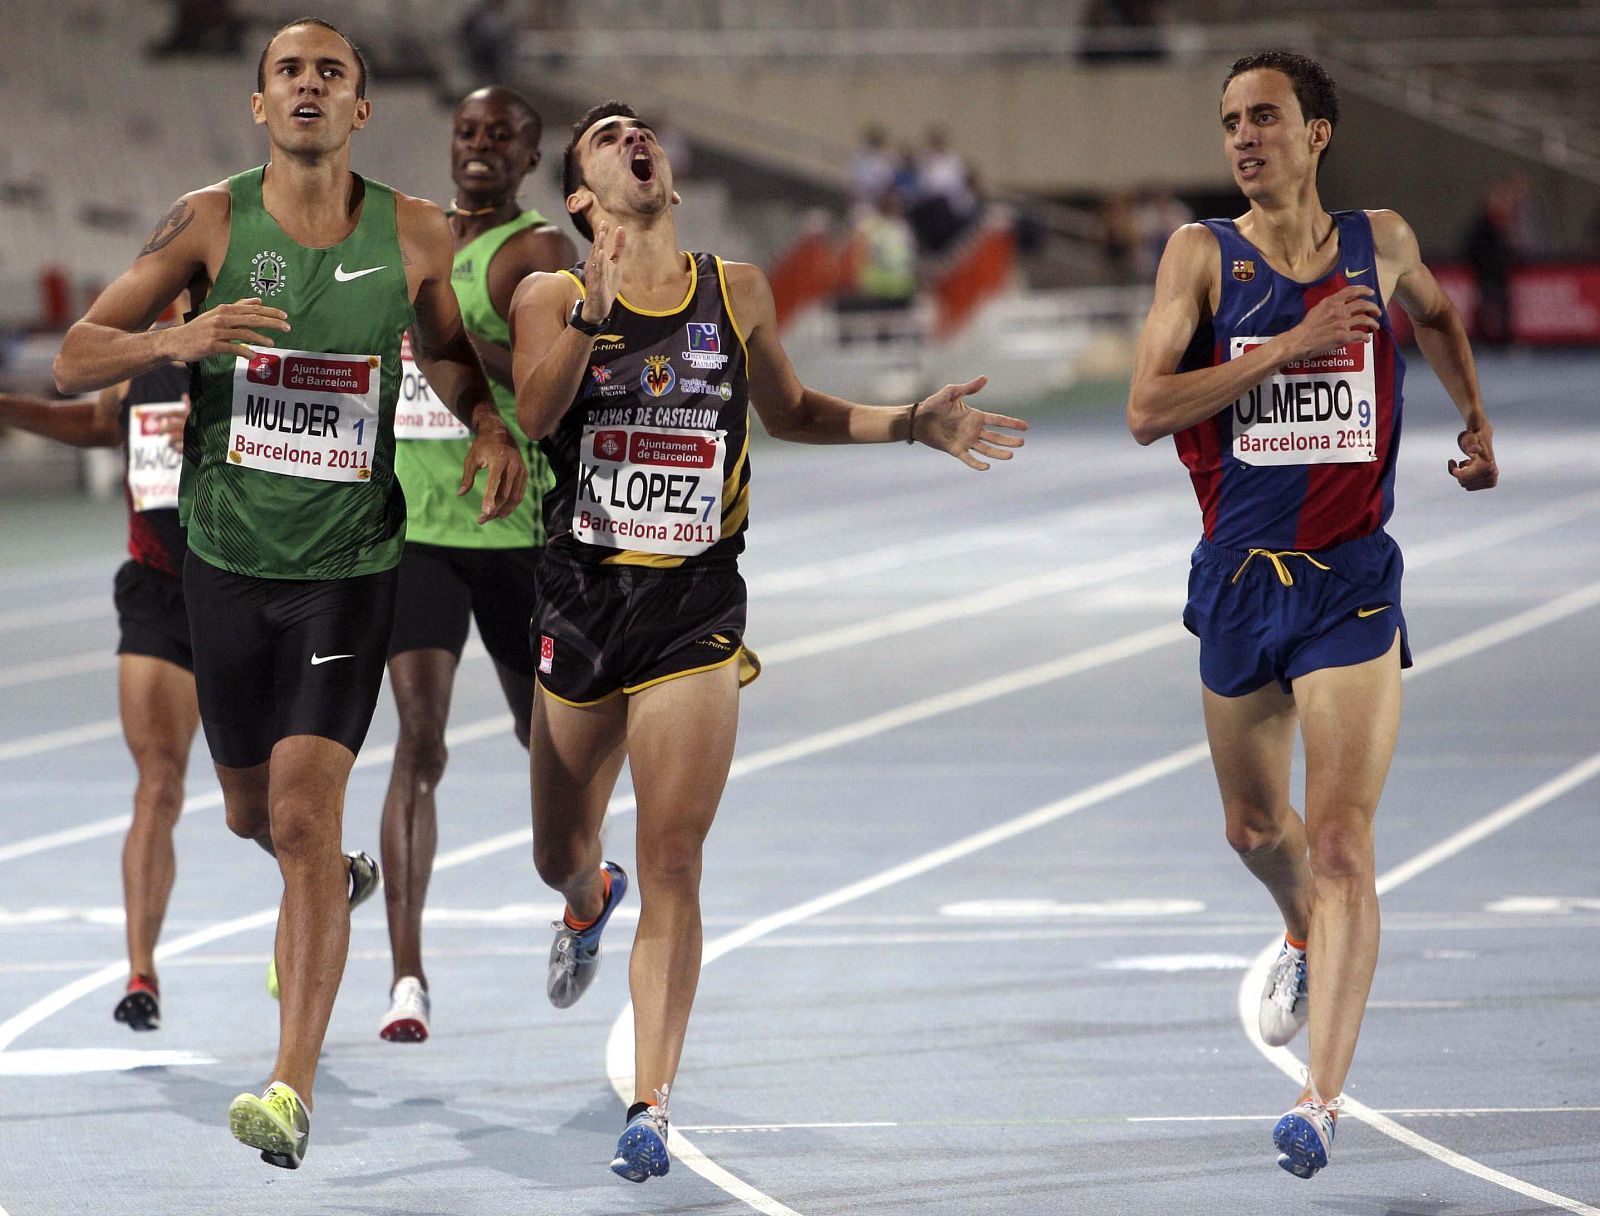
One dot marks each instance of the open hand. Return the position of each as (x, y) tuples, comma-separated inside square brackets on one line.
[(945, 421)]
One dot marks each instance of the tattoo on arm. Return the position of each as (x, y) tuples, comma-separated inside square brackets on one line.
[(172, 223)]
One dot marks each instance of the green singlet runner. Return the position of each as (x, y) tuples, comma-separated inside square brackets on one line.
[(289, 455), (432, 443)]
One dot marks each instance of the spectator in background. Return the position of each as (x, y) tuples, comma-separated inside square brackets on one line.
[(1119, 236), (1490, 248), (944, 205), (201, 27), (489, 36), (872, 168), (1157, 215), (885, 255)]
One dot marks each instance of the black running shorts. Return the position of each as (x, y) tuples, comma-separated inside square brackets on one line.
[(281, 657), (151, 615), (442, 589), (609, 629)]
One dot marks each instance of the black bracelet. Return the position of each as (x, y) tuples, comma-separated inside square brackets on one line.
[(911, 423)]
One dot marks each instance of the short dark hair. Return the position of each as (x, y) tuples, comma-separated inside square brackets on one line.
[(571, 175), (361, 60), (513, 99), (1313, 87)]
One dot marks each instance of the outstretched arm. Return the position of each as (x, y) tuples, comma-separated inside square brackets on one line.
[(114, 342), (1163, 400), (451, 365), (89, 422), (790, 410), (1442, 339)]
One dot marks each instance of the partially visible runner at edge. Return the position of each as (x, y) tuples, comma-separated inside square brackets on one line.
[(155, 662), (636, 370), (1270, 358), (453, 569), (305, 277)]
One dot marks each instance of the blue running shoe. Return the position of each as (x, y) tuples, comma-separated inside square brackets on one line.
[(1304, 1136), (575, 954), (642, 1148)]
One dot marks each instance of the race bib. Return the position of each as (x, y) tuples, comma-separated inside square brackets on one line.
[(305, 414), (649, 488), (419, 414), (1321, 410), (153, 462)]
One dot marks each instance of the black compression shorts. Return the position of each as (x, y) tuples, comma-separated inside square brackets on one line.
[(609, 629), (151, 615), (281, 657), (442, 589)]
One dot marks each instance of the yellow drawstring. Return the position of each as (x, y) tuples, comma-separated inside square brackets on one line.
[(1276, 558)]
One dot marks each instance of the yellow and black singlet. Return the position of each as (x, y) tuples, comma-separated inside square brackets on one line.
[(652, 458)]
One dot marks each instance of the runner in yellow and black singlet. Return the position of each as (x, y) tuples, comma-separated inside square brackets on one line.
[(637, 372)]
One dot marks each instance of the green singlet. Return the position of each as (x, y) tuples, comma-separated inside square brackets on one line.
[(289, 455), (432, 447)]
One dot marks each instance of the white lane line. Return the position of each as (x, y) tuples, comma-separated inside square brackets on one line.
[(82, 609), (1290, 1065), (72, 736), (43, 670), (39, 1011), (1459, 1112), (619, 1046), (808, 646)]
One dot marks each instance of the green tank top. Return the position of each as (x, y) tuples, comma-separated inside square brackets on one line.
[(432, 445), (289, 455)]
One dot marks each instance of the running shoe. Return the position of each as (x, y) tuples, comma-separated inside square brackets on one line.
[(575, 954), (1285, 1005), (140, 1006), (1304, 1136), (276, 1123), (642, 1148), (407, 1019), (364, 880)]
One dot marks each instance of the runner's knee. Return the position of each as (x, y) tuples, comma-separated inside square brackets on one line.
[(421, 751), (1341, 851), (560, 857), (671, 856), (303, 828), (1252, 827)]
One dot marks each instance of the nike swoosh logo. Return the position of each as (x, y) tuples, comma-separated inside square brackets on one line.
[(1366, 612), (1355, 274), (318, 660), (345, 276)]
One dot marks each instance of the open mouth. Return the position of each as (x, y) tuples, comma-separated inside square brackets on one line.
[(476, 166), (1250, 164), (306, 113), (643, 166)]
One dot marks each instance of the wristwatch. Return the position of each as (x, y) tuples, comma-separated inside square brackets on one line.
[(591, 328)]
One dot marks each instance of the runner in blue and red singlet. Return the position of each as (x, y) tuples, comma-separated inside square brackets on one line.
[(1269, 357)]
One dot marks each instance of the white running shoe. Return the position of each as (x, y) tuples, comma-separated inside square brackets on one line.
[(1304, 1136), (407, 1019), (1285, 1004)]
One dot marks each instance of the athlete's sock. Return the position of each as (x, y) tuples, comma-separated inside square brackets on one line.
[(578, 926), (637, 1109), (146, 982), (1294, 945)]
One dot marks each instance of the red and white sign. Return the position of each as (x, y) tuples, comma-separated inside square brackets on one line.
[(1319, 410), (649, 488), (306, 414), (1552, 303)]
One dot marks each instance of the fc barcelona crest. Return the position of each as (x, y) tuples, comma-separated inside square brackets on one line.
[(658, 378), (1244, 269)]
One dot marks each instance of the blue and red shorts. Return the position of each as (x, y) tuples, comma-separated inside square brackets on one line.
[(1264, 615)]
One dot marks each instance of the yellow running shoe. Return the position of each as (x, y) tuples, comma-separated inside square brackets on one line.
[(272, 978), (276, 1123)]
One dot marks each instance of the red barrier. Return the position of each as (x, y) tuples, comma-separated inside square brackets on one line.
[(1552, 303)]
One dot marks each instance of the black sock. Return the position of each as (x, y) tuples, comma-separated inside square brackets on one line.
[(635, 1110)]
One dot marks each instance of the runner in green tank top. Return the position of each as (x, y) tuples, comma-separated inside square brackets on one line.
[(452, 569), (305, 276)]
